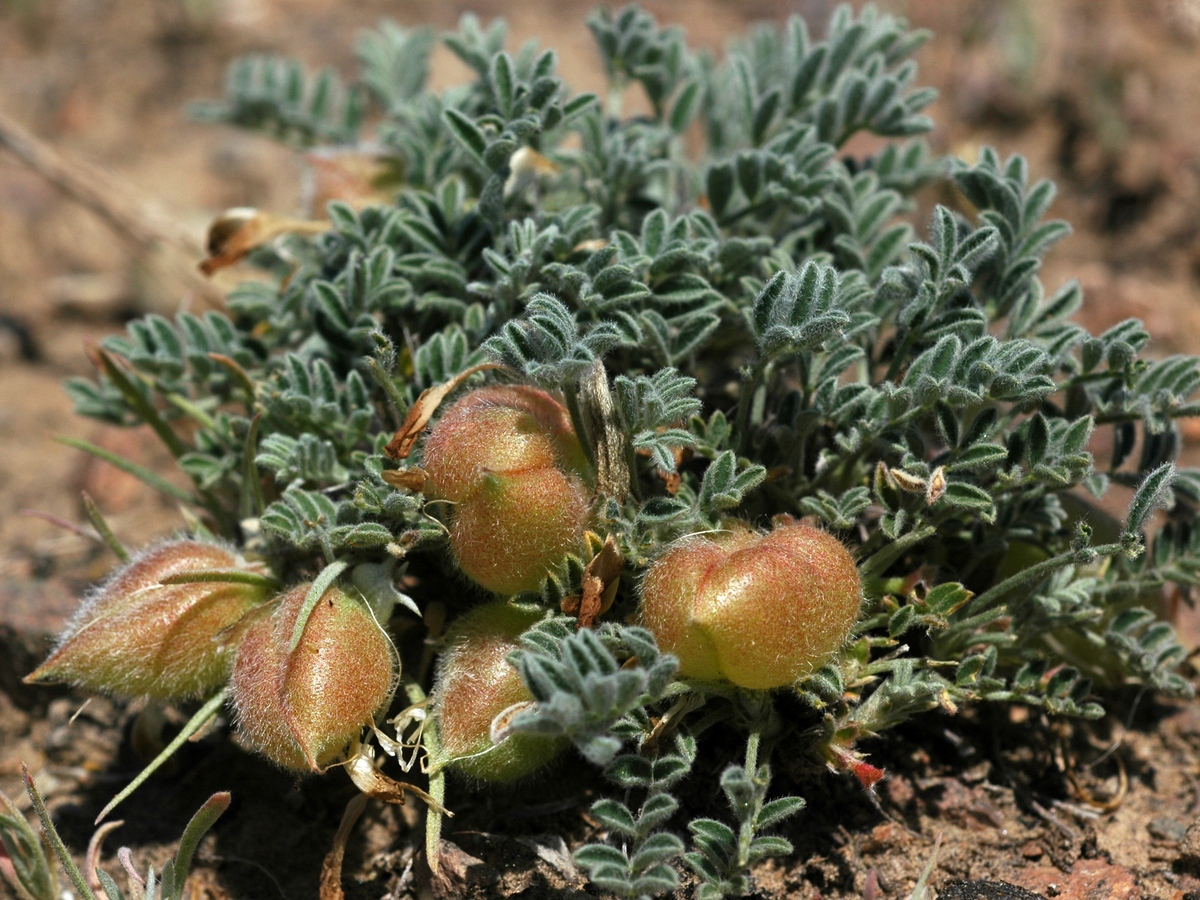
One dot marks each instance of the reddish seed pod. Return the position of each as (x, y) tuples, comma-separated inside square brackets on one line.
[(510, 461), (475, 683), (759, 610), (504, 428), (515, 528), (137, 637), (300, 708)]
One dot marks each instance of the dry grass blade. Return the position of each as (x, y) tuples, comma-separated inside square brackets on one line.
[(331, 868), (1109, 804), (95, 846), (107, 195)]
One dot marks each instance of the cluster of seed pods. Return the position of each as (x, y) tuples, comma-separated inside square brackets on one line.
[(306, 674)]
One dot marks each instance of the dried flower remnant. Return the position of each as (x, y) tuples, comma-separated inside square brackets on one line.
[(239, 231), (601, 579), (402, 442)]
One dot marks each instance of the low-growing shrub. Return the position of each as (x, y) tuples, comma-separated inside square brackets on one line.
[(697, 353)]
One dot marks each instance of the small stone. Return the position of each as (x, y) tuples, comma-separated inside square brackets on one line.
[(1189, 850), (459, 874), (899, 790), (1167, 829), (881, 838), (1033, 850)]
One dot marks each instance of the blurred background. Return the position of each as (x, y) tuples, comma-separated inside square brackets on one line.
[(1103, 96)]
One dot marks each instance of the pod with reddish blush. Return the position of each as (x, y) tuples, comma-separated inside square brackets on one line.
[(510, 462), (302, 707), (135, 636), (759, 610), (476, 688)]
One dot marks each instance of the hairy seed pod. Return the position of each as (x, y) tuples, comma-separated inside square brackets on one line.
[(510, 461), (301, 707), (475, 685), (499, 429), (135, 636), (515, 528), (759, 610)]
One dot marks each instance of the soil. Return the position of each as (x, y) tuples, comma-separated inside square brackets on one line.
[(1100, 95)]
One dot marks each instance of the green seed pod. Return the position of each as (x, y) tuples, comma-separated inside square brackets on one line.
[(474, 685), (509, 459), (137, 637), (301, 708), (759, 610)]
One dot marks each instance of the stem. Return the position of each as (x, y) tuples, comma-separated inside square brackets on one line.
[(1037, 572), (140, 405), (437, 779), (239, 375), (750, 386), (101, 525), (395, 398), (60, 849), (251, 503), (721, 714), (203, 715), (746, 832), (187, 407), (752, 743), (953, 642), (153, 479), (320, 585), (222, 576), (878, 562)]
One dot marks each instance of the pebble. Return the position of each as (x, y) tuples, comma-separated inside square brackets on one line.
[(1189, 849), (1167, 829)]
